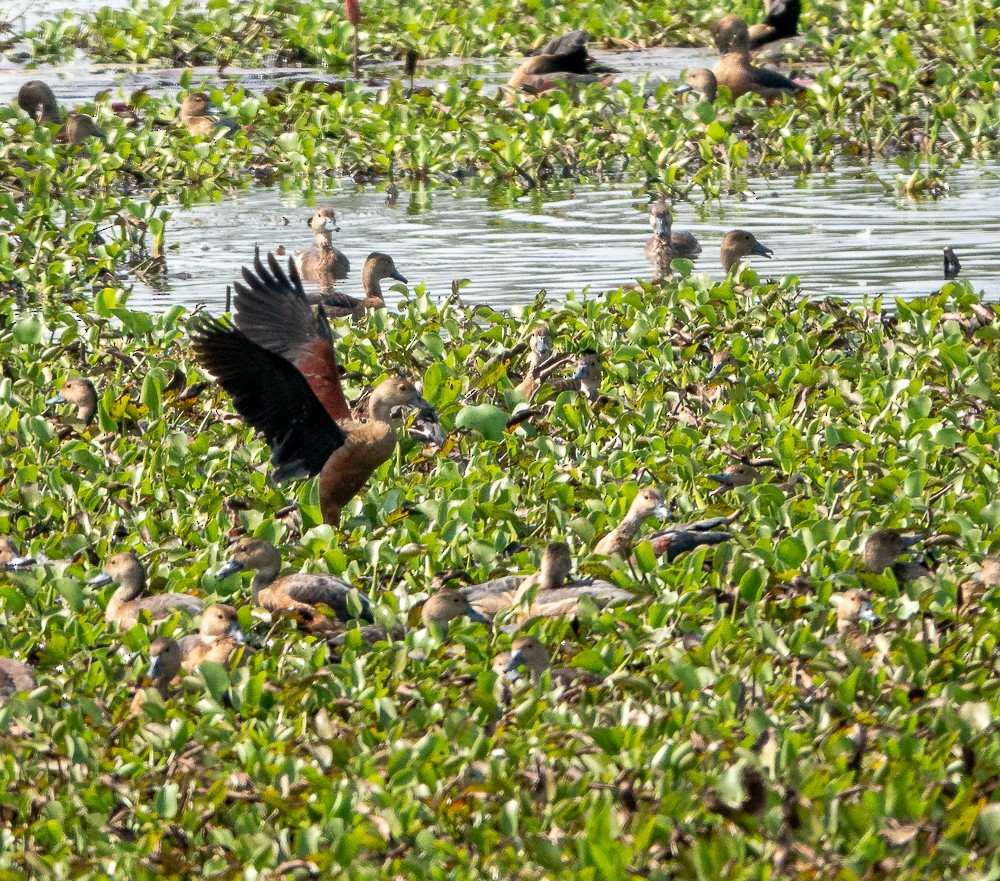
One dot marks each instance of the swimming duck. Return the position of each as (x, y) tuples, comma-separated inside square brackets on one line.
[(648, 503), (301, 591), (564, 59), (554, 595), (735, 70), (37, 100), (15, 676), (587, 379), (218, 636), (445, 606), (323, 262), (952, 266), (681, 244), (197, 117), (377, 267), (882, 549), (279, 365), (530, 653), (10, 559), (81, 393), (127, 602), (702, 81), (165, 659), (738, 244)]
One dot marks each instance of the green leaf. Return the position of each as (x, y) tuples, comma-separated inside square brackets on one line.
[(488, 420), (28, 330)]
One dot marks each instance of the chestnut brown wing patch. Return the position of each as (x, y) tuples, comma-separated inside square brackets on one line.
[(271, 395)]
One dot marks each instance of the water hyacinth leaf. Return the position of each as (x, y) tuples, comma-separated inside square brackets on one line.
[(487, 419), (28, 330)]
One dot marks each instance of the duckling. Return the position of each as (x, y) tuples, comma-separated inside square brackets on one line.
[(81, 393), (565, 60), (445, 606), (554, 595), (528, 652), (377, 267), (587, 378), (15, 676), (738, 244), (196, 115), (280, 366), (323, 262), (883, 547), (218, 636), (37, 100), (702, 81), (301, 591), (165, 659), (734, 68), (127, 602), (10, 559), (648, 503)]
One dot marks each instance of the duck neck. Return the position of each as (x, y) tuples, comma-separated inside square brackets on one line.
[(371, 283), (264, 577), (129, 590), (378, 409), (324, 240), (631, 523), (86, 411)]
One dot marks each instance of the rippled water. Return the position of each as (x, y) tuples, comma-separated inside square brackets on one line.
[(842, 233)]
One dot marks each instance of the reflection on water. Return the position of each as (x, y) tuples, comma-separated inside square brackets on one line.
[(842, 233)]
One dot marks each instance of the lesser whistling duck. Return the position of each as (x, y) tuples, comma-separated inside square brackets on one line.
[(853, 607), (197, 116), (530, 653), (323, 262), (219, 635), (127, 602), (164, 666), (702, 81), (10, 559), (377, 267), (680, 244), (562, 60), (301, 591), (587, 379), (80, 393), (280, 367), (738, 244), (539, 350), (737, 474), (734, 69), (445, 606), (677, 540), (883, 547), (781, 22), (554, 595), (15, 676), (647, 503), (37, 100)]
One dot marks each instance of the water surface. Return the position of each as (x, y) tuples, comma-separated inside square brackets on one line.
[(847, 233)]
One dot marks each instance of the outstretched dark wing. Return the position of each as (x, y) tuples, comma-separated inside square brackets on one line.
[(271, 395), (273, 311)]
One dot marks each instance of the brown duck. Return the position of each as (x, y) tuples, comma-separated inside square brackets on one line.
[(377, 267), (738, 244), (197, 116), (323, 262), (301, 591), (280, 367), (81, 394), (15, 676), (649, 502), (530, 653), (734, 69), (128, 602), (562, 60), (219, 635)]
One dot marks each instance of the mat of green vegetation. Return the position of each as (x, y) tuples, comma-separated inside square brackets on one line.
[(411, 759)]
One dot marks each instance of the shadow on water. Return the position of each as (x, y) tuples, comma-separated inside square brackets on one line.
[(844, 234)]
